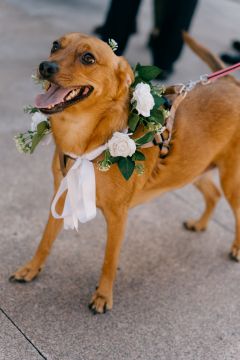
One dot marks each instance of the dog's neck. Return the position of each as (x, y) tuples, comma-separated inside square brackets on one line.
[(81, 133)]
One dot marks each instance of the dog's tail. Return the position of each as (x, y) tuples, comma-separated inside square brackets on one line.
[(213, 61)]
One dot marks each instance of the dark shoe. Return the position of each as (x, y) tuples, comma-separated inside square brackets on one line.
[(230, 59), (236, 45)]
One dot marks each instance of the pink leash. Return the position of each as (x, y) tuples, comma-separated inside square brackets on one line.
[(223, 72), (206, 78)]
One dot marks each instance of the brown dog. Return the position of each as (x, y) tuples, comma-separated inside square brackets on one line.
[(206, 134)]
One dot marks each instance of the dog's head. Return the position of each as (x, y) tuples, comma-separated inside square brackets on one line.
[(81, 71)]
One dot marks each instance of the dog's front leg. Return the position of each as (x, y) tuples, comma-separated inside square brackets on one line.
[(102, 299), (32, 268)]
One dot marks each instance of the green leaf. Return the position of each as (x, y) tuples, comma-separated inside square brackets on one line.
[(133, 121), (35, 141), (33, 110), (137, 80), (148, 73), (137, 67), (30, 109), (156, 116), (42, 126), (126, 167), (145, 138), (158, 101), (114, 160), (138, 156)]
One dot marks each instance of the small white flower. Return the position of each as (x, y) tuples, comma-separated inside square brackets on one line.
[(113, 44), (166, 113), (103, 166), (139, 168), (121, 145), (151, 126), (144, 99), (36, 119), (22, 142)]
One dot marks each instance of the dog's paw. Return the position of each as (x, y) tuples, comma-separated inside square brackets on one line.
[(26, 273), (100, 304), (235, 253), (192, 225)]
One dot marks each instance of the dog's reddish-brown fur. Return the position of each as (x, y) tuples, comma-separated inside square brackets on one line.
[(206, 133)]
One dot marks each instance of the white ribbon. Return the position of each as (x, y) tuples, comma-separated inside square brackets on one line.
[(80, 184)]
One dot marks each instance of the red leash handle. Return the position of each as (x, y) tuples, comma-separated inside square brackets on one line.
[(223, 72)]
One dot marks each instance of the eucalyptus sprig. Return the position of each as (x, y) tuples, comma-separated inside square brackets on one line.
[(40, 126), (29, 109), (27, 142)]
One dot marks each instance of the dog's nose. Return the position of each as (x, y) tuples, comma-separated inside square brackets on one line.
[(48, 68)]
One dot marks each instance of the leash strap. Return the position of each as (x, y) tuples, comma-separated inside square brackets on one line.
[(223, 72)]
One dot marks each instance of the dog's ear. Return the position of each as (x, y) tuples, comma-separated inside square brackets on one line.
[(124, 75)]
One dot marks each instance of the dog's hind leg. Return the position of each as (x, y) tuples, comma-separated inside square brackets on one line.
[(230, 178), (32, 268), (211, 196), (102, 299)]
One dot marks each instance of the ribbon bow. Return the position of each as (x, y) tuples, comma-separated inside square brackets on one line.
[(80, 184)]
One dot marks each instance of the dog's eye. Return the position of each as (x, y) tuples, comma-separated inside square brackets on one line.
[(87, 58), (56, 46)]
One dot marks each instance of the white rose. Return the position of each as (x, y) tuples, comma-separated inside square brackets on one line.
[(36, 119), (121, 145), (145, 101)]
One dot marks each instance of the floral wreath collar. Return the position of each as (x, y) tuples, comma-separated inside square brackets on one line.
[(148, 107)]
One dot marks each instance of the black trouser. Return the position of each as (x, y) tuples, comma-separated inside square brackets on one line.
[(167, 45), (120, 22)]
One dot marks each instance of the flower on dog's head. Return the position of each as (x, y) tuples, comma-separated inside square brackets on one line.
[(144, 99), (113, 44), (37, 118), (121, 145)]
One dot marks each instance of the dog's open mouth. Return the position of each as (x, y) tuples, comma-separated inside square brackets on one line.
[(57, 98)]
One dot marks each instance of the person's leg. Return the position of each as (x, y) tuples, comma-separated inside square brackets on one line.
[(168, 45), (159, 8), (120, 22), (159, 13)]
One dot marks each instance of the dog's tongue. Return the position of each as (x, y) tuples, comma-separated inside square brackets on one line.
[(53, 96)]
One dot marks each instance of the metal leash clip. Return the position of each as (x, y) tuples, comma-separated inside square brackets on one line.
[(204, 80)]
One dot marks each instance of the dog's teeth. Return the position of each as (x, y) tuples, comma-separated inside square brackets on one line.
[(72, 94), (69, 97)]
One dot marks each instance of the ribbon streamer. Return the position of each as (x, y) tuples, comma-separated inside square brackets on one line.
[(80, 184)]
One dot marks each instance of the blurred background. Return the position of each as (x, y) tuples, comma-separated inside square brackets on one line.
[(28, 28), (177, 294)]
